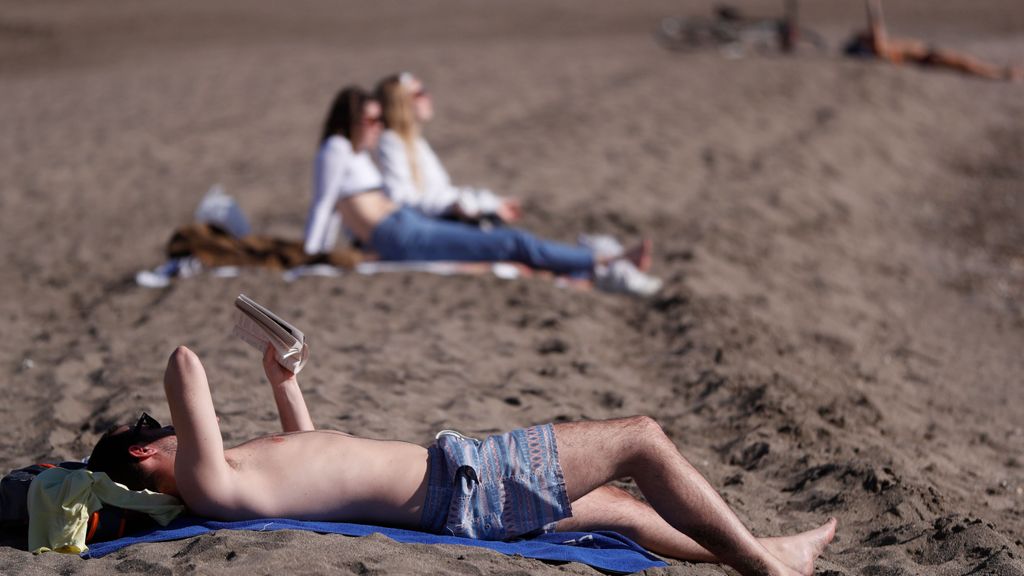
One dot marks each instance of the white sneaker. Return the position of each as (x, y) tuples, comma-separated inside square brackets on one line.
[(622, 276), (603, 246), (160, 277)]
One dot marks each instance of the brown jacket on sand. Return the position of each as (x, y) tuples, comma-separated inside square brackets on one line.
[(214, 246)]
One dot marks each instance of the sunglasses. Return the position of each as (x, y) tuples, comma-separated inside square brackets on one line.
[(146, 422)]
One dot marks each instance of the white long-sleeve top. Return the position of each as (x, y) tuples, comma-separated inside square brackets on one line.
[(339, 172), (435, 195)]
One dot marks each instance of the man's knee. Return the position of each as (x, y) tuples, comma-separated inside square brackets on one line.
[(647, 435), (645, 427)]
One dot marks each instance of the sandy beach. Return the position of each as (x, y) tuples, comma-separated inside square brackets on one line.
[(842, 243)]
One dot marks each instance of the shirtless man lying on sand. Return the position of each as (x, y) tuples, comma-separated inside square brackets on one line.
[(535, 479), (875, 41)]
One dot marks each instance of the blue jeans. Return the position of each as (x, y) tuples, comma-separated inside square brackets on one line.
[(409, 235)]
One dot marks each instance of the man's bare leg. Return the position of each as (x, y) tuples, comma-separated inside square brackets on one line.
[(595, 453), (610, 508), (969, 65)]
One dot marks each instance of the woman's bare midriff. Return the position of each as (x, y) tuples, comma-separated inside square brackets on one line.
[(326, 475), (361, 213)]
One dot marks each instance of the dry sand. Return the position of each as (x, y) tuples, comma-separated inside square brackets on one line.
[(843, 244)]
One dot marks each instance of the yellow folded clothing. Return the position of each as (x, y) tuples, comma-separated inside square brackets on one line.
[(60, 502)]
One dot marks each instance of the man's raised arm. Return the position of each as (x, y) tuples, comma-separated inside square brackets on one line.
[(200, 470), (876, 25), (291, 406)]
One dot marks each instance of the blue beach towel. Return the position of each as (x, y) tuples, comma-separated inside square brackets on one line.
[(606, 551)]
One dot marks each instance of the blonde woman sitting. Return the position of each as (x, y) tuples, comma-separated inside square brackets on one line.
[(413, 174)]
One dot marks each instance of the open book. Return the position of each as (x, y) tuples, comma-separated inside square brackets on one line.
[(258, 326)]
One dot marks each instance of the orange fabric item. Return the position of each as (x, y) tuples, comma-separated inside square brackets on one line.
[(94, 522)]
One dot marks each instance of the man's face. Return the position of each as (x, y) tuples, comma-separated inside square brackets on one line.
[(126, 452)]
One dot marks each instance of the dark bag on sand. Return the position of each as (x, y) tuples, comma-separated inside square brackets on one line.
[(214, 246), (14, 494), (106, 523)]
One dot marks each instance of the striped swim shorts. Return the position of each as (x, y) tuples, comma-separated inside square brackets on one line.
[(503, 487)]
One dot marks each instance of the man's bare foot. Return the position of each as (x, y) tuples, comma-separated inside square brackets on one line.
[(640, 255), (801, 550)]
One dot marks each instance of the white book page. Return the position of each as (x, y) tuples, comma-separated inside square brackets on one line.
[(291, 354)]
